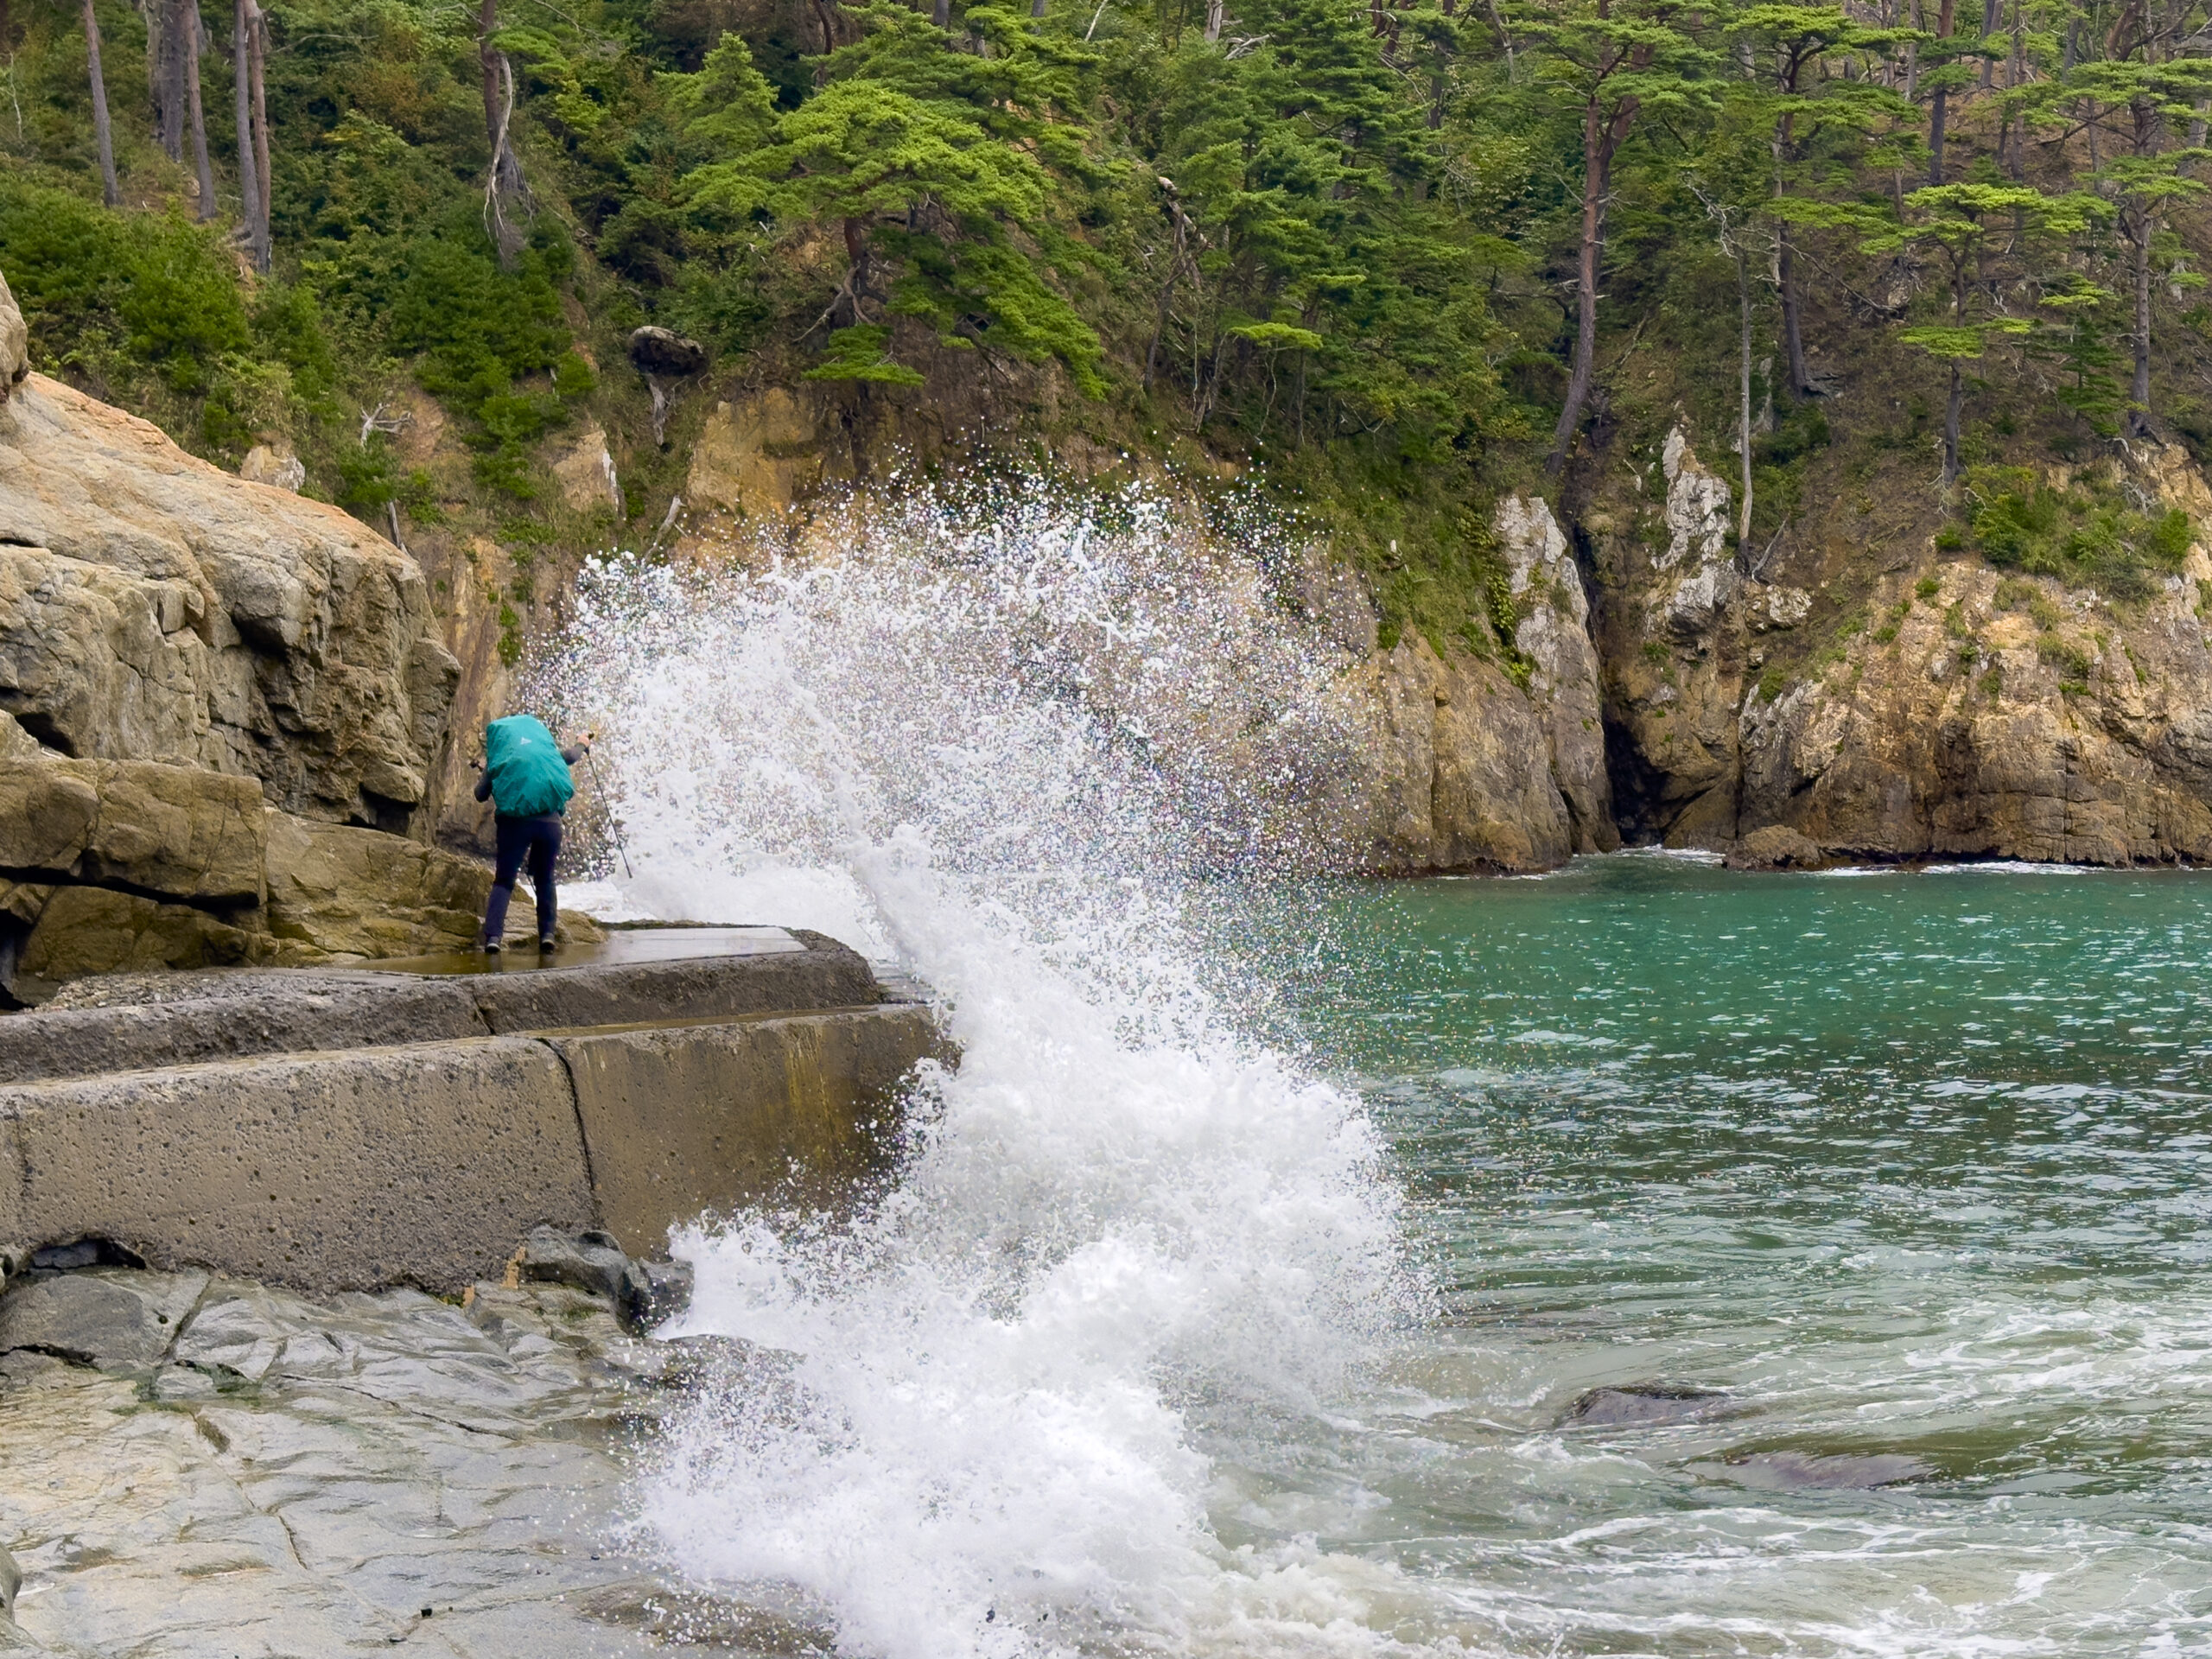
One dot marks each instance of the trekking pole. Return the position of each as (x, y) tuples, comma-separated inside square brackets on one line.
[(600, 789)]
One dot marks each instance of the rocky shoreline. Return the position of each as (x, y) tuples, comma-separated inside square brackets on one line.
[(198, 1465)]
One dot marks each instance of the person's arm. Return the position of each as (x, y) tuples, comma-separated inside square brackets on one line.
[(574, 753), (483, 785)]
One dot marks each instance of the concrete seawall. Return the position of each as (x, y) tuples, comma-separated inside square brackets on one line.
[(346, 1131)]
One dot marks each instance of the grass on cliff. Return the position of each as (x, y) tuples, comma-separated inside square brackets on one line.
[(2084, 531)]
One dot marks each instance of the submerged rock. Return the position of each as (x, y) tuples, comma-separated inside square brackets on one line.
[(1810, 1471), (1642, 1402)]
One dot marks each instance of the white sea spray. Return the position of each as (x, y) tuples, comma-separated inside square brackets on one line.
[(1018, 747)]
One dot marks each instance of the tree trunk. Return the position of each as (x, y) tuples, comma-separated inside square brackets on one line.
[(1785, 272), (198, 114), (101, 130), (242, 84), (1215, 11), (1793, 335), (2139, 412), (1951, 428), (1989, 15), (1939, 107), (1600, 138), (1036, 8), (165, 69), (940, 14), (1743, 407), (256, 64), (506, 194)]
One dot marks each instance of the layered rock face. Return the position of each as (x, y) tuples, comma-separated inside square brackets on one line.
[(1476, 765), (1957, 713), (155, 609), (221, 708)]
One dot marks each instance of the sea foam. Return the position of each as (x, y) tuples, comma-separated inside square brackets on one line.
[(1020, 750)]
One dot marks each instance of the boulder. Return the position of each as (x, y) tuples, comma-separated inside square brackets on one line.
[(177, 831), (15, 343), (113, 1318), (664, 352), (644, 1293), (1777, 847), (82, 930), (357, 891), (154, 607)]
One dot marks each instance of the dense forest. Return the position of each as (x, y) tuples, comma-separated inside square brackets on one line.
[(1401, 254)]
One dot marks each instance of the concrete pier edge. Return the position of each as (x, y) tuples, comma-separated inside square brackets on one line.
[(295, 1133)]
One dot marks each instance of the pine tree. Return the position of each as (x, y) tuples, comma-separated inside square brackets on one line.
[(904, 150), (1615, 60), (1963, 224), (1795, 104)]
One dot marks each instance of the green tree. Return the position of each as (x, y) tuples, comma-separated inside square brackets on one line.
[(2145, 181), (1613, 60), (1787, 94), (1964, 224), (899, 151)]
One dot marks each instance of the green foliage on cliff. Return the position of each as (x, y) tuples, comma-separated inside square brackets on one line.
[(1343, 242)]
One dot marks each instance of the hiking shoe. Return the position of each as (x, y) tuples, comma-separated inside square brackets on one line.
[(545, 945), (491, 947)]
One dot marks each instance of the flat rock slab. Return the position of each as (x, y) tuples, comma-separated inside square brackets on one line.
[(623, 944), (105, 1319), (359, 1474)]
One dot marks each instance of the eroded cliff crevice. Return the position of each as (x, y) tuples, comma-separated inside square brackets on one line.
[(1929, 707), (1489, 765)]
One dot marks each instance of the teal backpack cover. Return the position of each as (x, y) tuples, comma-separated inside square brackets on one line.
[(528, 777)]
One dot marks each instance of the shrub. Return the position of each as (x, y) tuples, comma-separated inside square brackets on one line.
[(2084, 534), (145, 309), (2072, 663)]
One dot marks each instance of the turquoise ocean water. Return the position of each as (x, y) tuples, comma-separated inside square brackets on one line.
[(1885, 1199)]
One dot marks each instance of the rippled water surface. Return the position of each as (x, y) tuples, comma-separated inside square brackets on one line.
[(1639, 1259), (1908, 1171)]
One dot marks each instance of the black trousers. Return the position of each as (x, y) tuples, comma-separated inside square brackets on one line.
[(538, 841)]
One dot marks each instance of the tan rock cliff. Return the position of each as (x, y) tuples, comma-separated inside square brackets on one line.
[(1953, 712), (153, 608)]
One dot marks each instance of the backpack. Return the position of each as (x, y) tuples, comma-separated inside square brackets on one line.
[(528, 777)]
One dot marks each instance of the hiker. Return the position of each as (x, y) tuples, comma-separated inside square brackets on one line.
[(526, 780)]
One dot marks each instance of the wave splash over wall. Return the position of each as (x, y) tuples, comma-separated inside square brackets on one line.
[(1031, 753)]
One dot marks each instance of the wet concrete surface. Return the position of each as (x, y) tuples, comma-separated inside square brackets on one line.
[(623, 944), (377, 1472)]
